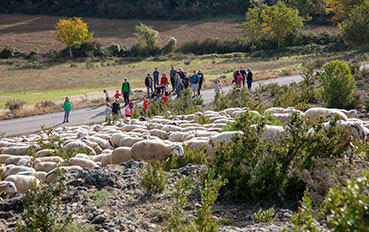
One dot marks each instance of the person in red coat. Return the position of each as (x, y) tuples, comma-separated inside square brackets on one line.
[(163, 82)]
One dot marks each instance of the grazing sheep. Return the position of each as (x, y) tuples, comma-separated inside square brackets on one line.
[(170, 128), (196, 143), (115, 138), (119, 155), (129, 141), (45, 152), (103, 143), (312, 114), (79, 145), (349, 113), (38, 174), (178, 136), (4, 170), (46, 166), (56, 159), (277, 110), (83, 163), (8, 187), (159, 133), (152, 150), (4, 157), (14, 170), (23, 182), (20, 150), (53, 174)]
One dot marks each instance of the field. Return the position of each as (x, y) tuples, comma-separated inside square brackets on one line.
[(27, 32)]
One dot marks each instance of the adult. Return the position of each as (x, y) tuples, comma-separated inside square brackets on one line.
[(238, 79), (179, 87), (244, 75), (201, 80), (126, 90), (156, 77), (249, 78), (172, 76), (181, 74), (67, 109), (195, 83), (148, 84), (185, 80), (163, 82)]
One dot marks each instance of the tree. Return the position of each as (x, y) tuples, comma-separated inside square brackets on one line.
[(147, 40), (307, 8), (278, 20), (355, 29), (338, 85), (72, 32), (342, 8), (253, 25)]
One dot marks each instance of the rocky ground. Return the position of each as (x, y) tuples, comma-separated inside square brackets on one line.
[(113, 199)]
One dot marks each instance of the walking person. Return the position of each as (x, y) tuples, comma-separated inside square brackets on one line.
[(116, 109), (128, 110), (179, 87), (148, 84), (117, 95), (172, 76), (126, 90), (163, 82), (67, 109), (107, 100), (244, 75), (195, 83), (201, 80), (156, 77), (249, 78)]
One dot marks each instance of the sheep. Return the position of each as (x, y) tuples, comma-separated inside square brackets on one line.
[(55, 159), (93, 145), (170, 128), (224, 136), (79, 145), (53, 174), (16, 169), (40, 175), (8, 187), (4, 157), (83, 163), (277, 110), (115, 138), (159, 133), (23, 182), (312, 114), (119, 155), (46, 166), (273, 133), (4, 170), (349, 113), (196, 143), (178, 136), (152, 150), (44, 152), (20, 150), (129, 141)]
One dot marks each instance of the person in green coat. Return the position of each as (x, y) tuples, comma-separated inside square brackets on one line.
[(126, 90), (67, 109)]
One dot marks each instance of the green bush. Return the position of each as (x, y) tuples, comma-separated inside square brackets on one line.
[(153, 178), (9, 52), (304, 219), (147, 41), (191, 156), (290, 96), (236, 98), (265, 215), (14, 104), (338, 86)]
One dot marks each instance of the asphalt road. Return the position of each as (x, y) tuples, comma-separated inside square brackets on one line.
[(97, 114)]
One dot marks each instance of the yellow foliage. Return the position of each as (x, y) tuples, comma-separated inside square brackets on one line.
[(72, 32), (342, 8)]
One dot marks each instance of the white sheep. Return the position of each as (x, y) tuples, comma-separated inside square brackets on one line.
[(119, 155), (56, 159), (46, 166), (8, 187), (83, 163), (53, 174), (178, 136), (44, 152), (159, 133), (273, 133), (312, 114), (79, 145), (40, 175), (129, 141), (16, 169), (4, 157), (23, 182), (152, 150), (103, 143)]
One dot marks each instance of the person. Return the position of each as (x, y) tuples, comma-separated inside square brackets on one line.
[(146, 104), (249, 78), (164, 99), (126, 89), (148, 84), (218, 86), (201, 80), (155, 94), (195, 83), (128, 110), (172, 76), (106, 96), (317, 74), (238, 79), (244, 74), (163, 82), (186, 80), (181, 74), (67, 109), (108, 112), (179, 87), (117, 95), (177, 78), (116, 109), (156, 77), (234, 84), (167, 89), (235, 74)]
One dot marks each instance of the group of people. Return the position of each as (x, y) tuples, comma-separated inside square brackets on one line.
[(179, 80), (241, 76)]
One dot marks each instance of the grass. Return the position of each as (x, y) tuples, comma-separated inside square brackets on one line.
[(55, 82)]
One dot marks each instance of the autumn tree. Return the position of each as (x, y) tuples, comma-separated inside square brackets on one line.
[(253, 25), (278, 20), (72, 32), (355, 29), (342, 8)]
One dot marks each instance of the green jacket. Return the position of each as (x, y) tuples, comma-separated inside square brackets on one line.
[(126, 87), (67, 106)]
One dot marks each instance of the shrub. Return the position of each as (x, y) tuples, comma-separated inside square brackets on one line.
[(14, 104), (304, 219), (100, 198), (338, 86), (265, 215), (290, 95), (202, 119), (191, 156), (153, 178), (8, 52), (236, 98), (45, 104), (116, 50), (170, 46), (147, 41)]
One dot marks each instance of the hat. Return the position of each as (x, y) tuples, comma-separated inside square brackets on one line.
[(117, 100), (199, 70)]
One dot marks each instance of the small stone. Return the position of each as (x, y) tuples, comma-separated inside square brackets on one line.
[(99, 219)]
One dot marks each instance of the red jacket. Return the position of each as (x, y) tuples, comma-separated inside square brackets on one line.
[(164, 80), (146, 105), (164, 99)]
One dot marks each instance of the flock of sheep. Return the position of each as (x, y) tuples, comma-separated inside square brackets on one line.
[(154, 139)]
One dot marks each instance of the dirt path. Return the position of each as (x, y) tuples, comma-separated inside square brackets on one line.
[(97, 114)]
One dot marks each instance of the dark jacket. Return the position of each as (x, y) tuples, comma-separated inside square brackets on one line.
[(115, 108), (201, 78), (172, 73), (243, 73), (195, 79), (249, 76), (147, 81), (181, 75), (155, 74)]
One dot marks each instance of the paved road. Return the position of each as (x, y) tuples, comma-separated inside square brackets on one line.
[(97, 114)]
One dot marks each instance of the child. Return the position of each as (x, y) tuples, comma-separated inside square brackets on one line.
[(108, 112), (234, 84), (106, 96), (163, 99), (167, 89), (128, 110), (116, 109), (218, 86), (117, 95), (146, 105)]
